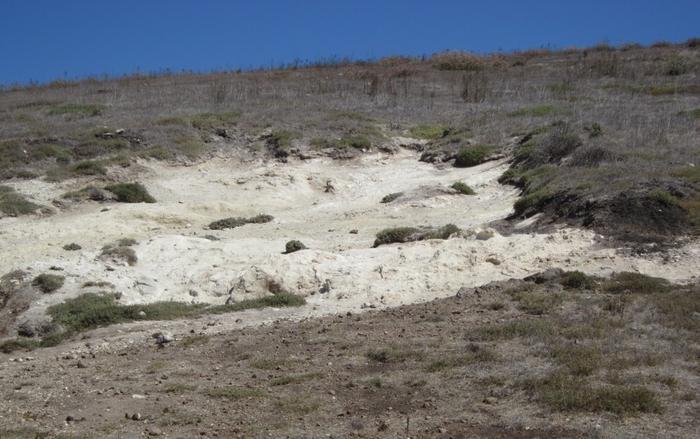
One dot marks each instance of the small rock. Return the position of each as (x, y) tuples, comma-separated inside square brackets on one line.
[(490, 400), (70, 418), (136, 417), (81, 365), (194, 293), (354, 232), (493, 260), (163, 338), (485, 235), (142, 314)]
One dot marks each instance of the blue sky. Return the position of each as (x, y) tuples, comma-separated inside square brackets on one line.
[(42, 40)]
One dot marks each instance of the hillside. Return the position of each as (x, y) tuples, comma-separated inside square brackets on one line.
[(339, 249)]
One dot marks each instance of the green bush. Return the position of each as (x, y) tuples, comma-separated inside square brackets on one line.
[(72, 247), (121, 253), (393, 235), (429, 132), (233, 222), (635, 283), (463, 188), (14, 204), (577, 280), (48, 283), (279, 300), (88, 167), (130, 193), (294, 246), (537, 111), (357, 142), (472, 155)]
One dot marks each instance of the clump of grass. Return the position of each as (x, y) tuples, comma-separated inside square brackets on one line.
[(429, 132), (72, 247), (14, 204), (357, 142), (90, 311), (579, 360), (18, 344), (564, 392), (455, 60), (120, 251), (409, 234), (463, 188), (679, 308), (518, 328), (235, 392), (577, 280), (279, 300), (472, 155), (537, 111), (393, 235), (474, 354), (391, 197), (131, 193), (48, 283), (233, 222), (78, 110), (537, 302), (88, 167), (293, 246), (636, 283), (209, 121)]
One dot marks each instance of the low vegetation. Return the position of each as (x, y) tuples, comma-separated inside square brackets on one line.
[(472, 155), (293, 246), (14, 204), (130, 193), (463, 188), (90, 310), (48, 283), (409, 234), (391, 197), (429, 132), (120, 251), (233, 222)]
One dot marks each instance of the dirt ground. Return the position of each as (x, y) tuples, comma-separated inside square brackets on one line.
[(418, 371)]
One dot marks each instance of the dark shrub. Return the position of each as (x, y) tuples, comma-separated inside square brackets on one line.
[(397, 234), (591, 156), (463, 188), (130, 193), (233, 222), (14, 204), (391, 197), (577, 280), (472, 155), (72, 247), (48, 283), (294, 246)]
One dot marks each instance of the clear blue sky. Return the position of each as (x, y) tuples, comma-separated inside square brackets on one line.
[(42, 40)]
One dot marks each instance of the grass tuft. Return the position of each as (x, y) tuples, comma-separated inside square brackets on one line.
[(131, 193)]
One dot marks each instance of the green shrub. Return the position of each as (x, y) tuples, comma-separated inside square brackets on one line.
[(130, 193), (279, 300), (472, 155), (357, 142), (429, 132), (635, 283), (14, 204), (233, 222), (463, 188), (293, 246), (48, 283), (209, 121), (88, 167), (391, 197), (72, 247), (677, 66), (120, 251), (577, 280), (393, 235)]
